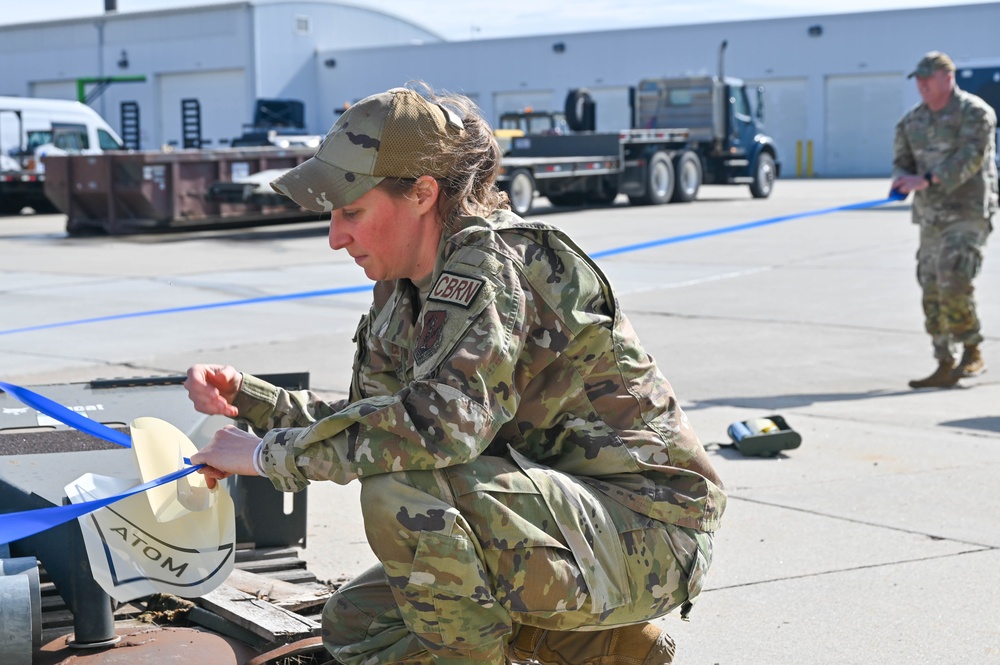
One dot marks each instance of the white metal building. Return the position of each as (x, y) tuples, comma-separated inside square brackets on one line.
[(834, 85), (837, 82), (226, 56)]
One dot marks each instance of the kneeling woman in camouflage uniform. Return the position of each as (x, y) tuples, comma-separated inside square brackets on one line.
[(530, 486)]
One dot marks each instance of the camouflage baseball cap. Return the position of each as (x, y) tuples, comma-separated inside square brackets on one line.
[(394, 134), (930, 63)]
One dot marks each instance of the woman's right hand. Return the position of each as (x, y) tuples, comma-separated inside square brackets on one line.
[(230, 451), (212, 389)]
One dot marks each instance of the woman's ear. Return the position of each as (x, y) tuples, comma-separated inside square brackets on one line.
[(425, 193)]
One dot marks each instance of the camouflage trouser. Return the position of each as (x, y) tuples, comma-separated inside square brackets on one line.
[(948, 260), (469, 551)]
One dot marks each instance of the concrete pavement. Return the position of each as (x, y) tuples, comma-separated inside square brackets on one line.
[(876, 541)]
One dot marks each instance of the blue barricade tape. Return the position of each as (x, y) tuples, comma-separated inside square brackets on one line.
[(893, 197), (14, 526), (193, 308)]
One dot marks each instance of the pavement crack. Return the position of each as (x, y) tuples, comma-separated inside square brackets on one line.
[(853, 520), (837, 571)]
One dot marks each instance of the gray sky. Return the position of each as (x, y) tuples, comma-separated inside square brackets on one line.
[(480, 19)]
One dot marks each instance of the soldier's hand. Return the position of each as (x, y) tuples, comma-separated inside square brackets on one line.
[(212, 389), (909, 183), (230, 451)]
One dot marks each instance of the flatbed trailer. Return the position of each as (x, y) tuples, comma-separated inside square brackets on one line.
[(685, 132)]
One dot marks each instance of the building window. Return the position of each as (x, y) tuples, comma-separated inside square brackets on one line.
[(302, 25)]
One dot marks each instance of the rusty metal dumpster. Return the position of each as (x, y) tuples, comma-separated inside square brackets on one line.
[(135, 192)]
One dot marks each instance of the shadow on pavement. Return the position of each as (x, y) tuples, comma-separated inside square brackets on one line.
[(989, 423), (791, 401)]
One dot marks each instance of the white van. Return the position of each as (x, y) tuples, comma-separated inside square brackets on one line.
[(31, 128)]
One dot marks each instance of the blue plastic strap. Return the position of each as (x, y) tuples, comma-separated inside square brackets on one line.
[(69, 417), (15, 526), (66, 416)]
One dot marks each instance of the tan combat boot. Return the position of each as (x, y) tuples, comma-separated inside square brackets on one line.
[(640, 644), (972, 363), (943, 377)]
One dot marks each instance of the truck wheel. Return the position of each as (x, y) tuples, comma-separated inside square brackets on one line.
[(521, 190), (763, 176), (659, 181), (687, 169)]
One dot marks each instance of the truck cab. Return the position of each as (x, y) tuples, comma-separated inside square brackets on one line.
[(726, 132), (530, 121), (527, 122)]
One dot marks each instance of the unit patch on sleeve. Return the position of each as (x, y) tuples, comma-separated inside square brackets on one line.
[(430, 338), (455, 289)]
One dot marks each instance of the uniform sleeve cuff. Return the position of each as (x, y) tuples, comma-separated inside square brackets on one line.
[(277, 460), (257, 457)]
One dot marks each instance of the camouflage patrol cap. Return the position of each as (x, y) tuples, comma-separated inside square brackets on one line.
[(930, 63), (394, 134)]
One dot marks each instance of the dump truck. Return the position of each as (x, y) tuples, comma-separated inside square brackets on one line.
[(685, 132)]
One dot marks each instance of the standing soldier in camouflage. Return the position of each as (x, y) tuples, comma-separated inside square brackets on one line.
[(529, 483), (945, 152)]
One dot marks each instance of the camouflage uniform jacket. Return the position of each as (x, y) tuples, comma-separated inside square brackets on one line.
[(521, 344), (958, 145)]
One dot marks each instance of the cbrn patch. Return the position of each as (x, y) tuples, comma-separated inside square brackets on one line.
[(455, 289)]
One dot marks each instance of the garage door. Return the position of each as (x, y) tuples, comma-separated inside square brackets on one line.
[(222, 95), (785, 121), (54, 90), (861, 116), (612, 108), (983, 82)]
